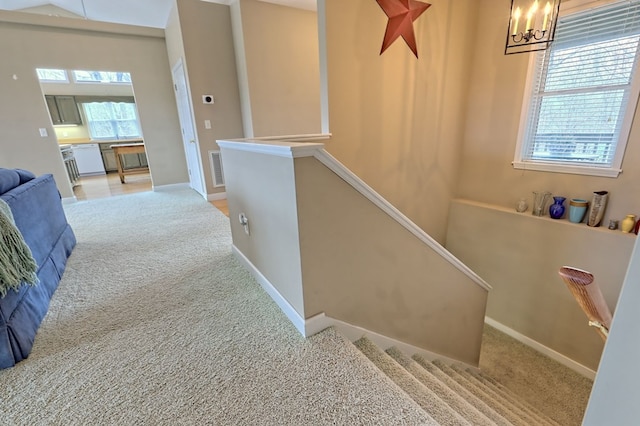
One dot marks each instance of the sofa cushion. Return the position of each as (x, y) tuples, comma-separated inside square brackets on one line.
[(25, 175), (9, 179)]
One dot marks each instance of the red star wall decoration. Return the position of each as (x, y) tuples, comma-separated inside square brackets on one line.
[(401, 14)]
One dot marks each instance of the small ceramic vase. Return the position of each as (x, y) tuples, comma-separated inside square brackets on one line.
[(556, 210), (628, 223), (577, 209)]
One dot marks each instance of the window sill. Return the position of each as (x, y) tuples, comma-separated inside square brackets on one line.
[(565, 168)]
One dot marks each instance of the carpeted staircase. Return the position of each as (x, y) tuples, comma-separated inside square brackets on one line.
[(450, 394)]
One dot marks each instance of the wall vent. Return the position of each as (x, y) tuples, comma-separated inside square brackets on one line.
[(216, 168)]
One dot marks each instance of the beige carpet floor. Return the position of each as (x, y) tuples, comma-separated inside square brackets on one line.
[(155, 322), (552, 388)]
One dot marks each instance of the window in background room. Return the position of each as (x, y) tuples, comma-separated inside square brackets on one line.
[(583, 94), (52, 75), (101, 77), (112, 120)]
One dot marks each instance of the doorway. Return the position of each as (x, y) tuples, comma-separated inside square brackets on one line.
[(189, 140), (91, 111)]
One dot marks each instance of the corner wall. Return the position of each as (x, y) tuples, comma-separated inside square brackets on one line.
[(200, 33), (281, 75), (397, 121), (520, 254)]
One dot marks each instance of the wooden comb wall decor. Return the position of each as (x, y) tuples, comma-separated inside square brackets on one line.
[(402, 14)]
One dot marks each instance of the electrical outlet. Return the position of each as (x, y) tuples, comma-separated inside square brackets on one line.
[(43, 132), (207, 124), (244, 221)]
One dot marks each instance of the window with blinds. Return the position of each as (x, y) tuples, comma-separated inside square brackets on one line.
[(111, 120), (583, 94)]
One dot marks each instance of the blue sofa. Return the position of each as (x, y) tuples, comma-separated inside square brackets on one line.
[(38, 214)]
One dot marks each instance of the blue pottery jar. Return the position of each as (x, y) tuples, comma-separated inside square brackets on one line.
[(556, 210)]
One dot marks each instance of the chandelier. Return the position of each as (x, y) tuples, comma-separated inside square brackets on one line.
[(532, 25)]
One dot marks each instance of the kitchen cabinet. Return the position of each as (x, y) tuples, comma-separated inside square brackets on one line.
[(129, 161), (63, 109)]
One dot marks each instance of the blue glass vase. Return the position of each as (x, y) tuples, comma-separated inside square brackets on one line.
[(556, 210)]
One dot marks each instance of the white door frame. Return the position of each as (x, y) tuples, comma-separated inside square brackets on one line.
[(194, 165)]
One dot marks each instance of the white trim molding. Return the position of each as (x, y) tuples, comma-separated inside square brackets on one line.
[(284, 305), (556, 356), (70, 200), (290, 147), (278, 148), (217, 196), (171, 187), (338, 168)]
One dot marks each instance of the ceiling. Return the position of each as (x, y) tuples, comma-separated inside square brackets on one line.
[(146, 13)]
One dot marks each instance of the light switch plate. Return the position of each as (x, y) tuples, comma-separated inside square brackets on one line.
[(43, 132)]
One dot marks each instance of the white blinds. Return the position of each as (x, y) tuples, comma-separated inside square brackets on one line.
[(582, 87)]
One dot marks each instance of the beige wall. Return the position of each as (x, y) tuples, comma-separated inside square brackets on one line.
[(361, 266), (200, 34), (263, 187), (282, 68), (493, 116), (173, 36), (520, 255), (22, 106), (398, 121), (328, 249)]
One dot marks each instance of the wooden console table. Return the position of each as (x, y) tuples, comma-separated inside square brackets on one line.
[(131, 148)]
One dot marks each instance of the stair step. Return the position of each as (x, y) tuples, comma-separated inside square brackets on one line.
[(505, 393), (507, 410), (446, 394), (510, 402), (451, 394), (482, 406), (440, 411)]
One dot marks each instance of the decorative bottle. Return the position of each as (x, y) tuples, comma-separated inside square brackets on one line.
[(628, 223), (556, 210), (596, 208)]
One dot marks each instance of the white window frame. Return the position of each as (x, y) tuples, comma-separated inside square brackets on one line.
[(566, 167), (47, 80), (122, 83), (113, 122)]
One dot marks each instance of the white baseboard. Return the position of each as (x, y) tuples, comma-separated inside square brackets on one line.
[(69, 200), (556, 356), (319, 322), (284, 305), (217, 196), (171, 187)]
